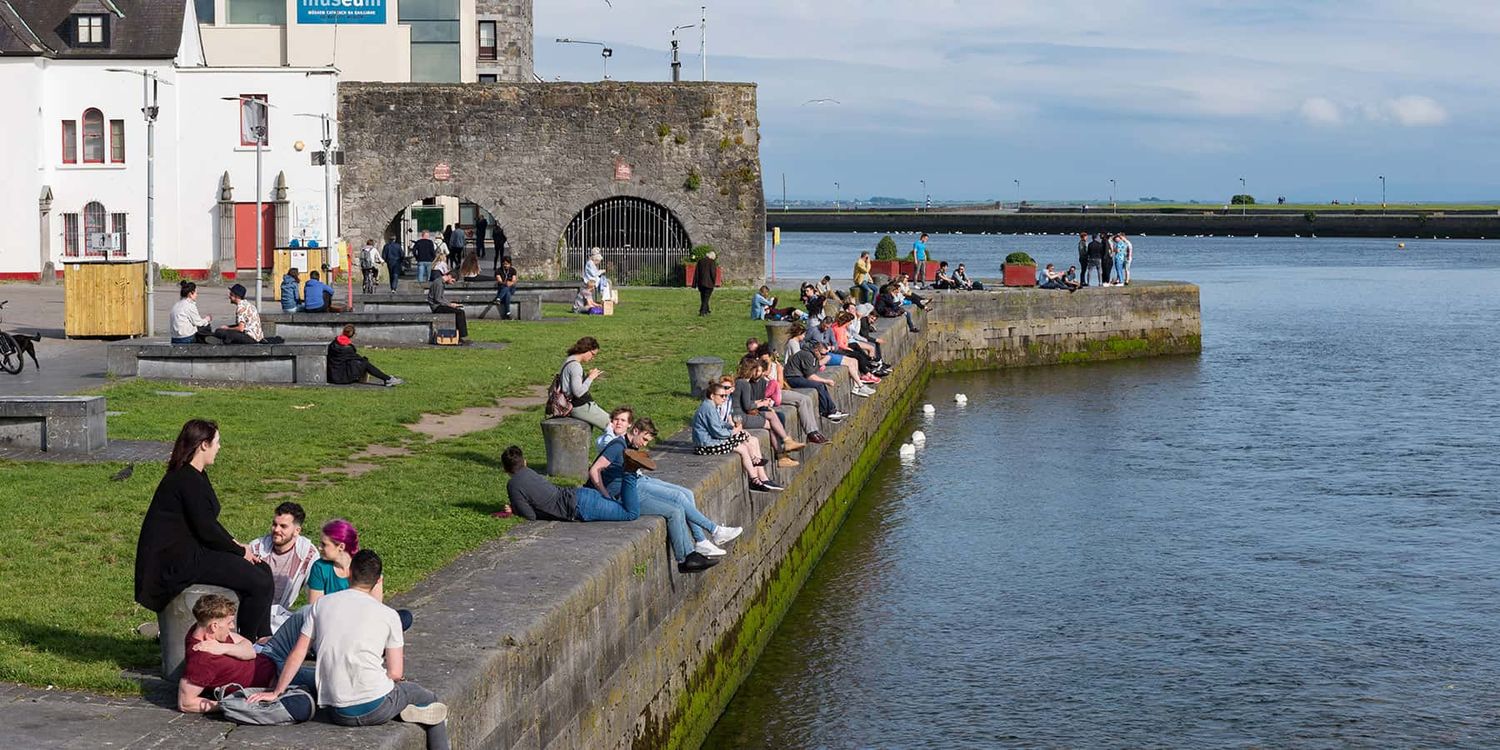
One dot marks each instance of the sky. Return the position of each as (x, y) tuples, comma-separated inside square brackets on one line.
[(1313, 100)]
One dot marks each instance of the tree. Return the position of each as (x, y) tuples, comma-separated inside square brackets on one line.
[(1242, 200), (885, 249)]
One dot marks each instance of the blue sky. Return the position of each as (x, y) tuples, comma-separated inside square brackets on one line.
[(1312, 100)]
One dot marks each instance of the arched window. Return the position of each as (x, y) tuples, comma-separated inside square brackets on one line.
[(95, 220), (93, 136), (642, 241)]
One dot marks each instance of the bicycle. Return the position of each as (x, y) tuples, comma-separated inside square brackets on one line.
[(14, 349)]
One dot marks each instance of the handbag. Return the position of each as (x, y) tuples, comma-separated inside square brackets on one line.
[(293, 707), (558, 403)]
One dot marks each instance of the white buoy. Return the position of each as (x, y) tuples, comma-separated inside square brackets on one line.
[(918, 437), (929, 409), (908, 450), (960, 398)]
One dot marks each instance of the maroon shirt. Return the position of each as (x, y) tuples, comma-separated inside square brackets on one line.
[(210, 671)]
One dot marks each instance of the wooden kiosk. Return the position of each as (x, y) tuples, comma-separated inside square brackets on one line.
[(104, 298)]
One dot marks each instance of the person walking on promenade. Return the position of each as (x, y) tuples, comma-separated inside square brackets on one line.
[(919, 250), (577, 386), (392, 256), (425, 252), (707, 279), (862, 277), (1123, 255), (182, 542)]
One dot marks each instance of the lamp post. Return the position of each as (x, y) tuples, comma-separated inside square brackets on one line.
[(1112, 206), (1382, 194), (926, 199), (835, 197), (677, 60), (149, 109), (328, 223), (259, 131), (604, 51), (1018, 194), (703, 40), (1243, 196)]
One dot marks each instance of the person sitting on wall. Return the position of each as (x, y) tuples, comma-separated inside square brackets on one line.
[(802, 369), (585, 302), (707, 535), (218, 657), (943, 279), (246, 328), (906, 296), (290, 301), (780, 392), (346, 366), (536, 499), (1071, 279), (961, 278), (823, 333), (1050, 278), (813, 300), (593, 271), (317, 297), (188, 325), (505, 286), (626, 453), (888, 306), (291, 557), (763, 306), (468, 270), (758, 411), (824, 287), (437, 301), (715, 434)]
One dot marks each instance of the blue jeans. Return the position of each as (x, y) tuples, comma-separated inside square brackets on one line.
[(1120, 267), (593, 506), (395, 274), (280, 647), (825, 401), (184, 339), (678, 536), (870, 291), (405, 694), (502, 296), (424, 270), (651, 488)]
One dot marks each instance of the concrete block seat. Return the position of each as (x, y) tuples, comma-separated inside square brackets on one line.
[(176, 620), (375, 329), (553, 291), (303, 363), (478, 303), (68, 424)]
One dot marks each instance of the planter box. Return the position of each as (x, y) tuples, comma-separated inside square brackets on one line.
[(887, 268), (691, 271), (1018, 275)]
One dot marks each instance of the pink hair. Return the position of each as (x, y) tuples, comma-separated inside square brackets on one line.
[(342, 532)]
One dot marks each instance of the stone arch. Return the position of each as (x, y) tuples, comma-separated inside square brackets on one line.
[(652, 252), (372, 222)]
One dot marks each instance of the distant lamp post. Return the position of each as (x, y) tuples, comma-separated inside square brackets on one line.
[(1382, 193), (926, 199), (1018, 194), (328, 162), (604, 51), (676, 59), (1112, 205), (149, 109), (835, 196), (1243, 197), (258, 130)]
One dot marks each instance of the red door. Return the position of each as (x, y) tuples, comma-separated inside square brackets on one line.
[(244, 234)]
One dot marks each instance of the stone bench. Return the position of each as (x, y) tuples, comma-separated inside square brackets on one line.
[(388, 329), (176, 620), (525, 306), (63, 424), (301, 363)]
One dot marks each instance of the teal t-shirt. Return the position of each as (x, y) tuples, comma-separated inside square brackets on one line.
[(323, 578)]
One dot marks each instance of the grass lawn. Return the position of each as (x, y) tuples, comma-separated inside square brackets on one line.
[(1342, 208), (66, 573)]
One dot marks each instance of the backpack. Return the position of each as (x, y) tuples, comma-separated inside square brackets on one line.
[(293, 707), (558, 403)]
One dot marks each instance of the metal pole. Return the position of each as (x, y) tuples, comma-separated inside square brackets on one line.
[(703, 41), (260, 221), (835, 197), (1018, 194), (1382, 194), (784, 207), (1244, 199), (149, 110)]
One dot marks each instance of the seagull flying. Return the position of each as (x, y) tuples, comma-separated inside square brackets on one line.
[(820, 101)]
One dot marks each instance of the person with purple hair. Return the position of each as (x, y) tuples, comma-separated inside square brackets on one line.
[(330, 574)]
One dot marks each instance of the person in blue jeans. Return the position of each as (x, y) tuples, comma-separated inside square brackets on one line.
[(425, 253), (706, 535), (536, 499), (919, 250)]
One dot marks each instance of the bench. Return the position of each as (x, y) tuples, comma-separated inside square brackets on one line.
[(388, 329), (525, 305), (62, 424), (174, 622), (301, 363)]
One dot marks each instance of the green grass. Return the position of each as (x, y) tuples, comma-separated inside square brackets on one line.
[(1342, 208), (66, 574)]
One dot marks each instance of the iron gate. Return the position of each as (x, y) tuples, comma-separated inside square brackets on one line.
[(642, 241)]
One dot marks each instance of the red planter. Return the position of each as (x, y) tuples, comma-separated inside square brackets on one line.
[(691, 269), (889, 268), (1018, 275), (893, 268)]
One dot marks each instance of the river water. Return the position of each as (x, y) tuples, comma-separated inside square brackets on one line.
[(1290, 541)]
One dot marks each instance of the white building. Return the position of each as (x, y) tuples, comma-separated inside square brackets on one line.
[(77, 144)]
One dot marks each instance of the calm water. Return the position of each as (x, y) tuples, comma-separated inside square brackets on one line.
[(1292, 541)]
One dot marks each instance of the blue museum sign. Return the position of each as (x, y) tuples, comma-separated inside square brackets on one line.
[(340, 11)]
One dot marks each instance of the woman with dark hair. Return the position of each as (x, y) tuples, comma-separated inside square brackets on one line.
[(758, 410), (182, 542), (188, 325), (346, 366), (576, 385)]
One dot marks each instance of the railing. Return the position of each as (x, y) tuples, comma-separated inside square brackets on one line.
[(637, 266)]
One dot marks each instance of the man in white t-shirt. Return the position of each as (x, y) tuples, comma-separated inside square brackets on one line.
[(290, 556), (360, 666)]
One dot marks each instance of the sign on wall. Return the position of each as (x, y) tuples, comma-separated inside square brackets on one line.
[(340, 11)]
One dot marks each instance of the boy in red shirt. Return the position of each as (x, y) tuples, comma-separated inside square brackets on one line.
[(216, 656)]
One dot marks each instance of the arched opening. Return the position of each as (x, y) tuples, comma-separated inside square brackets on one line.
[(642, 241), (483, 238)]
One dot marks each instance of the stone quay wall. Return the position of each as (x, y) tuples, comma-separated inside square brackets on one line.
[(535, 154), (574, 635)]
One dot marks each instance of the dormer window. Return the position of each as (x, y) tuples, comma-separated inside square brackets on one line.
[(89, 30)]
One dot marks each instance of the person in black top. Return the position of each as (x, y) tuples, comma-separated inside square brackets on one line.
[(707, 279), (480, 228), (346, 366), (1083, 257), (437, 301), (391, 254), (505, 286), (498, 236), (425, 252), (183, 543), (1094, 261)]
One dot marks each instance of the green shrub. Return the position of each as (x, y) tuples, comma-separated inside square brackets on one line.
[(697, 254), (885, 249), (1242, 200), (680, 139), (1019, 258), (170, 275), (724, 143), (1310, 215), (693, 180)]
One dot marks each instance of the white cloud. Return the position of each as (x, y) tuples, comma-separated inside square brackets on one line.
[(1416, 111), (1320, 111)]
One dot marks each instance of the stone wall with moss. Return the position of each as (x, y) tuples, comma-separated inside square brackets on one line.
[(535, 154)]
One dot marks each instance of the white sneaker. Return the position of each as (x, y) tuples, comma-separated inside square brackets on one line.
[(431, 714), (708, 549), (864, 392), (726, 534), (837, 416)]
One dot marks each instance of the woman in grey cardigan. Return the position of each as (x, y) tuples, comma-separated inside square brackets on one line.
[(757, 410), (715, 435), (576, 385)]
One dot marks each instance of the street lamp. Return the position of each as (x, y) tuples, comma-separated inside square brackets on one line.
[(835, 196), (149, 109), (1018, 194), (258, 129), (926, 199), (676, 60), (1382, 194), (604, 52), (328, 160), (1243, 194), (1112, 205)]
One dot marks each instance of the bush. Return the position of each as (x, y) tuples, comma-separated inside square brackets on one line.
[(698, 253), (1242, 200), (693, 181), (1019, 258), (170, 275), (1310, 215), (885, 249), (663, 130)]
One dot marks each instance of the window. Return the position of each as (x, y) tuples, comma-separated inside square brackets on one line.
[(487, 49), (271, 12), (94, 216), (434, 39), (254, 118), (116, 141), (205, 10), (93, 136), (488, 78), (70, 235), (117, 225), (88, 31), (70, 141)]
